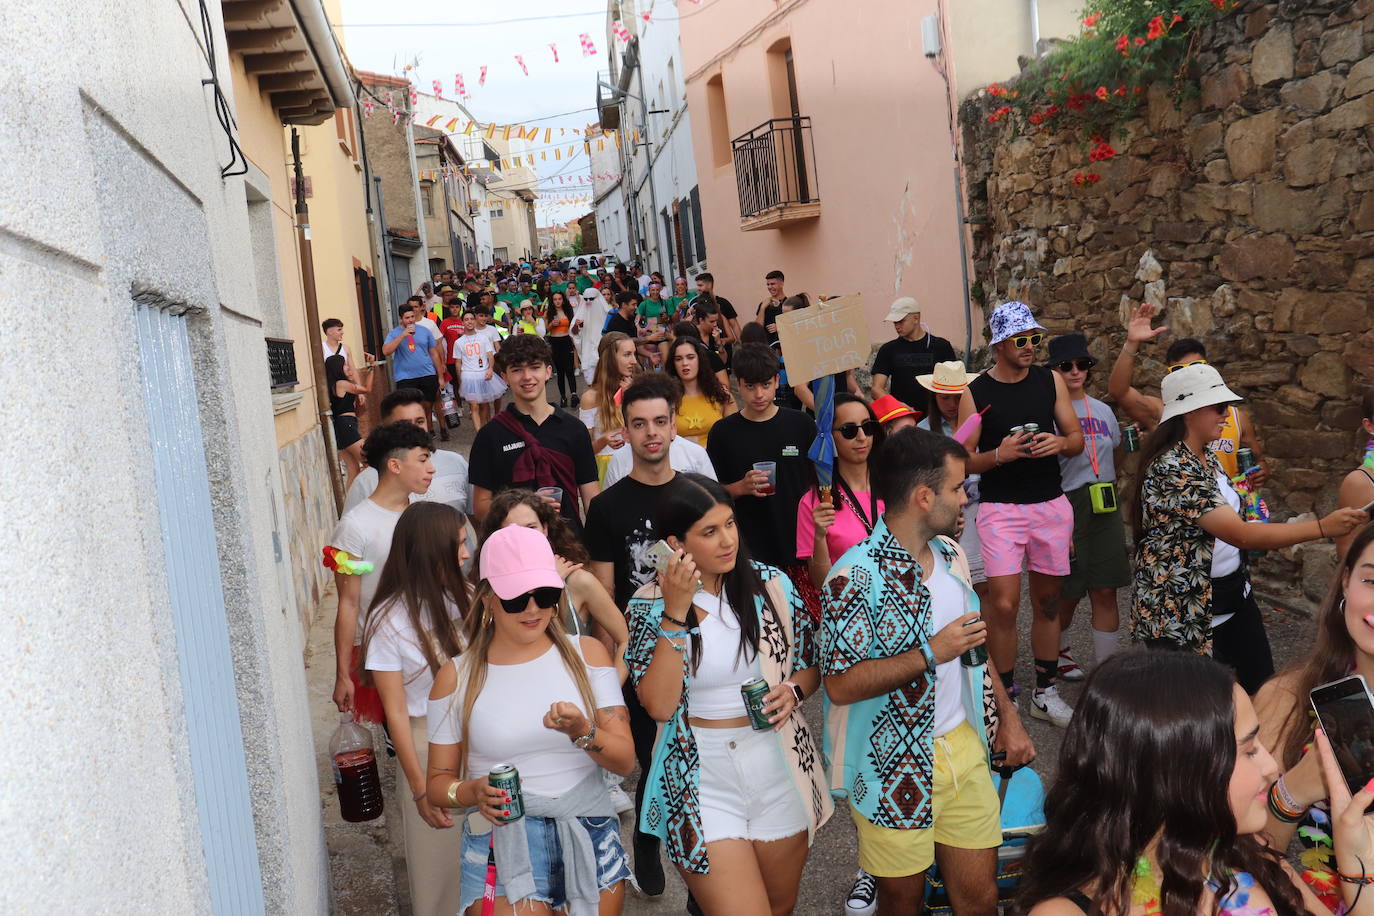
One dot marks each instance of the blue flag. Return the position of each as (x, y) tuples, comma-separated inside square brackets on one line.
[(822, 452)]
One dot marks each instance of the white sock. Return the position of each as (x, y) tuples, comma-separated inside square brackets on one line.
[(1064, 641), (1104, 645)]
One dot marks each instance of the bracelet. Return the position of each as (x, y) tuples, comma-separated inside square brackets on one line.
[(997, 454), (1290, 803), (666, 616), (1359, 881), (1288, 814), (929, 655), (452, 793), (419, 795), (1319, 528)]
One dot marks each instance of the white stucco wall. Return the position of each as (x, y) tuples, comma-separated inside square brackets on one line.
[(110, 188)]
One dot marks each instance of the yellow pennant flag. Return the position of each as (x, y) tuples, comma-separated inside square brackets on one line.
[(468, 129), (558, 154), (451, 125), (600, 144), (506, 135), (544, 156), (517, 162), (491, 131), (548, 132), (430, 122)]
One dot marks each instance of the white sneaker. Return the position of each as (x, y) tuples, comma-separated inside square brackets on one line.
[(619, 799), (863, 896), (1068, 668), (1047, 704)]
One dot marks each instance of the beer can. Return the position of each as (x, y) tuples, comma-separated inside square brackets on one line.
[(1016, 430), (1130, 437), (1245, 460), (506, 777), (754, 690), (977, 655), (1032, 429)]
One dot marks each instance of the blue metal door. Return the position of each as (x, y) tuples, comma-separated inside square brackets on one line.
[(198, 614)]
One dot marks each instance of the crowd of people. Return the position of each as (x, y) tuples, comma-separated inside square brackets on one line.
[(658, 581)]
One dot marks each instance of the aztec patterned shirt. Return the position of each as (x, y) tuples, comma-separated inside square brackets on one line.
[(880, 750)]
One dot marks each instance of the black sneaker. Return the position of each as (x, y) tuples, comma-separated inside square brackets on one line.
[(574, 401), (863, 896), (648, 865)]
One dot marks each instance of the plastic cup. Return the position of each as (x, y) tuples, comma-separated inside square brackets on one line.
[(553, 493), (771, 469)]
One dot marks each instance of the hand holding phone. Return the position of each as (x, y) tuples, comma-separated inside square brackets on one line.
[(1345, 710)]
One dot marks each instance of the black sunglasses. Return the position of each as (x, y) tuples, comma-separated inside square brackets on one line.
[(1082, 365), (851, 430), (544, 598)]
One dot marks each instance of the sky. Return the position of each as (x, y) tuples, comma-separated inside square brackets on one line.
[(460, 36)]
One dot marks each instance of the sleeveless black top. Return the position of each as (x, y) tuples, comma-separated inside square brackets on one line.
[(1031, 400)]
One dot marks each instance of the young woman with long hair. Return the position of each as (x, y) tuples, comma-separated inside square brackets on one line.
[(343, 406), (827, 528), (704, 399), (585, 601), (616, 366), (414, 627), (526, 694), (1192, 590), (736, 807), (1159, 799), (1344, 645), (558, 318)]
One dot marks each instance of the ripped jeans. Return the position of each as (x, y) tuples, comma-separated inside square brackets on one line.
[(746, 790), (546, 859)]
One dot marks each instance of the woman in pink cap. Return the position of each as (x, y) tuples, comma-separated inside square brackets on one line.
[(525, 694)]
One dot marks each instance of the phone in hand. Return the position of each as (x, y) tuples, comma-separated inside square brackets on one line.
[(1345, 710), (1368, 507), (659, 555)]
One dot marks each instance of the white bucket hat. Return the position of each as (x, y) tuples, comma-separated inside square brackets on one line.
[(1191, 387), (1010, 319)]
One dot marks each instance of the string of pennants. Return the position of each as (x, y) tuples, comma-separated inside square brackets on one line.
[(570, 180)]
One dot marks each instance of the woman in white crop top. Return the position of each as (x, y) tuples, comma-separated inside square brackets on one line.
[(524, 693), (714, 620), (414, 626)]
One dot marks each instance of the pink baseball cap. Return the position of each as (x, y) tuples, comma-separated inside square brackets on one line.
[(517, 560)]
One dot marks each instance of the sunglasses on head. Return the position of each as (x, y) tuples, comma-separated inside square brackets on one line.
[(1082, 365), (544, 598), (1026, 340), (851, 430), (1177, 366)]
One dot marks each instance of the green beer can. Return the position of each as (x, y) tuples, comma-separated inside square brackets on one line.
[(506, 777), (754, 690)]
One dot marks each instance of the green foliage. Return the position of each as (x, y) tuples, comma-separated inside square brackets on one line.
[(577, 244), (1098, 79), (563, 252)]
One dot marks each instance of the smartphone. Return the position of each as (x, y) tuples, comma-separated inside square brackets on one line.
[(659, 554), (1345, 710), (1368, 507)]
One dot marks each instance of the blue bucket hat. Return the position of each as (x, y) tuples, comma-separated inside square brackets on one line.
[(1010, 319)]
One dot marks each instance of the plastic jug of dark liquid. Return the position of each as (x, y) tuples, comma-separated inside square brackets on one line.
[(355, 771)]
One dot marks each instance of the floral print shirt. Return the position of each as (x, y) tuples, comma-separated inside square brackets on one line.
[(1173, 572), (672, 799)]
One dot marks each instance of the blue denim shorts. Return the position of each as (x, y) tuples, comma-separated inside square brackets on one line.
[(546, 860)]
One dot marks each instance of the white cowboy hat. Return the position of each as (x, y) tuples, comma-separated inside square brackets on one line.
[(1191, 387), (948, 378)]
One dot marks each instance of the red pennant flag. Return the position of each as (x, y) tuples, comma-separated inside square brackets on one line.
[(438, 90), (588, 49), (554, 49), (482, 77), (458, 86), (521, 61), (622, 34)]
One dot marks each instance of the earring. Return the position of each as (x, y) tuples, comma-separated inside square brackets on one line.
[(1342, 604)]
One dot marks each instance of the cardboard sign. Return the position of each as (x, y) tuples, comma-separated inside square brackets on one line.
[(826, 338)]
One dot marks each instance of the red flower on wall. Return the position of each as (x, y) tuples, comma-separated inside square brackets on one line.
[(1123, 44), (1157, 28), (1091, 21), (1101, 93)]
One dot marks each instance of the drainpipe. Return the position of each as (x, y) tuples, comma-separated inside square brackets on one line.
[(1035, 27), (649, 163), (448, 210), (312, 320)]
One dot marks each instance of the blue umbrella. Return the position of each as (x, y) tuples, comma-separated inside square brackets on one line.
[(822, 451)]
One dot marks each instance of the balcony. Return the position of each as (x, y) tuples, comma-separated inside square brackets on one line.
[(775, 172)]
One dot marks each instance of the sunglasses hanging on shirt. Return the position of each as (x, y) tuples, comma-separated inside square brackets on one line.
[(544, 599)]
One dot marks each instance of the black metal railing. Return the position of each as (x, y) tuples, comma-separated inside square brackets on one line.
[(281, 362), (775, 165)]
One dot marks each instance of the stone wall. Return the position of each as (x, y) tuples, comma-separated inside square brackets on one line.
[(1247, 213), (310, 517)]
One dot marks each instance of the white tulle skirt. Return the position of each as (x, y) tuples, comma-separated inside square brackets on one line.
[(476, 388)]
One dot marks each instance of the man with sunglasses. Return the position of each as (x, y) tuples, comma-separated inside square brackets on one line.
[(1239, 431), (1099, 564), (1024, 517)]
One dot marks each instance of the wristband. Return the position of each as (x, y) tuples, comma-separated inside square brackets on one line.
[(452, 793), (997, 454), (1319, 528), (419, 795), (929, 655), (1282, 809)]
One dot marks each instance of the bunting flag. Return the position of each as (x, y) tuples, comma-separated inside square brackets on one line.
[(458, 85), (438, 90), (647, 16), (367, 106), (414, 96), (482, 77), (588, 49), (622, 34), (554, 48), (521, 61)]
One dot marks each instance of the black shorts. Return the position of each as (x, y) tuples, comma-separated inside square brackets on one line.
[(427, 385), (346, 431)]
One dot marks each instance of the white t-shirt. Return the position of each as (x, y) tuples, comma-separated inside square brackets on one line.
[(715, 692), (429, 325), (683, 455), (474, 351), (450, 483), (492, 333), (1225, 557), (947, 604), (395, 646), (365, 533), (507, 724), (329, 350)]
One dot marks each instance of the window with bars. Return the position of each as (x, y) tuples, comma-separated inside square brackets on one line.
[(281, 362)]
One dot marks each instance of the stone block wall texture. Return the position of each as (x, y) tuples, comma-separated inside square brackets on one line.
[(1246, 213), (310, 517)]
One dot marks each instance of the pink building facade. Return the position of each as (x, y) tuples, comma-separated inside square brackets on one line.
[(823, 148)]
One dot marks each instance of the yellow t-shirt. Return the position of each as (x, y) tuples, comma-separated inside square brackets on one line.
[(1227, 444), (695, 418)]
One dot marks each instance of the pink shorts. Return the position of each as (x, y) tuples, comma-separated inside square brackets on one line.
[(1041, 532)]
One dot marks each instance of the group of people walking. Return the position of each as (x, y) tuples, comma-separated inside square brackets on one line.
[(661, 583)]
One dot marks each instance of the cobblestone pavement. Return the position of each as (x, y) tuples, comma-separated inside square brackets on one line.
[(369, 868)]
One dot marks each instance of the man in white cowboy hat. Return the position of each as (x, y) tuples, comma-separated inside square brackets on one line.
[(1023, 517), (915, 351)]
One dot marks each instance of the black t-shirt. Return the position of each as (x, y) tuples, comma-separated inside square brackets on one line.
[(620, 529), (717, 364), (491, 463), (726, 309), (902, 360), (619, 322), (771, 311), (769, 523), (1031, 400)]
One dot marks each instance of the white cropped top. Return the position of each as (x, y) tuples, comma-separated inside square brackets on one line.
[(714, 692)]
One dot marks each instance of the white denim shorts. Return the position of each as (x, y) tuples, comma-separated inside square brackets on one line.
[(747, 791)]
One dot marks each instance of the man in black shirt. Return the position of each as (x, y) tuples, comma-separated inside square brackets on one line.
[(729, 318), (623, 318), (620, 531), (914, 352), (1023, 515), (763, 431), (526, 362)]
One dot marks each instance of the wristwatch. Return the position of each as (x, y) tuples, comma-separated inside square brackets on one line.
[(796, 692), (586, 740)]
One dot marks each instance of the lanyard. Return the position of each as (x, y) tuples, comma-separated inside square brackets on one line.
[(866, 520), (1086, 422)]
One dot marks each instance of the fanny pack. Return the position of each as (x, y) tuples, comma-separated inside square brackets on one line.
[(1103, 497)]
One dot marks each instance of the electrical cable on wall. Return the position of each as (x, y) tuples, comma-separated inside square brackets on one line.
[(222, 111)]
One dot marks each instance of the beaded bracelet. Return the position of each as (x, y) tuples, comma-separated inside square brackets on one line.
[(1280, 809)]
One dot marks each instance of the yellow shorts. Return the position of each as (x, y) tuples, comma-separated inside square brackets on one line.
[(966, 811)]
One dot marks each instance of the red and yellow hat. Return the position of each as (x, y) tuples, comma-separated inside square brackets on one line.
[(888, 408)]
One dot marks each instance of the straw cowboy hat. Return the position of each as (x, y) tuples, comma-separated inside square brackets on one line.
[(948, 378)]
